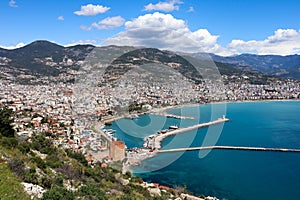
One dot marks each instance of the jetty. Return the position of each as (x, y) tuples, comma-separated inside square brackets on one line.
[(229, 148), (168, 115), (155, 140)]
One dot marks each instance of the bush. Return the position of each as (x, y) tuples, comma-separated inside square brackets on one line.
[(31, 176), (39, 162), (91, 191), (42, 144), (53, 161), (46, 182), (6, 120), (24, 148), (8, 142), (78, 156), (69, 171), (59, 181), (17, 166), (58, 193), (127, 197)]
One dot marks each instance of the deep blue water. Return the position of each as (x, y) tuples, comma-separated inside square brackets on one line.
[(227, 174)]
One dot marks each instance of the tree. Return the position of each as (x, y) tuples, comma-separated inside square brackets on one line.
[(6, 120)]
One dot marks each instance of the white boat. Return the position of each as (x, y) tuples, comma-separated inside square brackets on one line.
[(173, 127)]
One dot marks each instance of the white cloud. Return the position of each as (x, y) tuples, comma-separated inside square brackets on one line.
[(19, 45), (85, 28), (167, 6), (12, 3), (283, 42), (191, 9), (61, 18), (166, 32), (81, 42), (91, 10), (107, 23)]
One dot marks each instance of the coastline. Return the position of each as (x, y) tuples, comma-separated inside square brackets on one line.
[(159, 110), (138, 161)]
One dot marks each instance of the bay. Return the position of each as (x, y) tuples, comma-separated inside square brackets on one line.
[(226, 174)]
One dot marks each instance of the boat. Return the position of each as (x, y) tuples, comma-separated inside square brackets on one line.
[(109, 131), (173, 127)]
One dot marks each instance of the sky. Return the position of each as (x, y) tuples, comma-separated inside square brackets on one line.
[(223, 27)]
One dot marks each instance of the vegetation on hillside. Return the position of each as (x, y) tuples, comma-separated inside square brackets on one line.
[(63, 173)]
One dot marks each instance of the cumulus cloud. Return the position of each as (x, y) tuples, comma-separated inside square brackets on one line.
[(282, 42), (12, 3), (91, 10), (166, 32), (19, 45), (107, 23), (167, 6), (61, 18)]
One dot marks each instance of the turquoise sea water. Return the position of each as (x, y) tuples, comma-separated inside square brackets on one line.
[(226, 174)]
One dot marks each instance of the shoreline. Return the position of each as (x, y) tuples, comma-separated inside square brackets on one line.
[(139, 160), (164, 109)]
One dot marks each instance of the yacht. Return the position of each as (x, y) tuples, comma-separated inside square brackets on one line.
[(173, 127)]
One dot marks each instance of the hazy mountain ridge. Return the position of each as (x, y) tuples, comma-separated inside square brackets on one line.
[(275, 65), (44, 59)]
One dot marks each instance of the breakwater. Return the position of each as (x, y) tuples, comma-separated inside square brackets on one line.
[(154, 141), (229, 148)]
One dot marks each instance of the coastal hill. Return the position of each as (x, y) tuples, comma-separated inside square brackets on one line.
[(190, 67), (274, 65), (42, 59)]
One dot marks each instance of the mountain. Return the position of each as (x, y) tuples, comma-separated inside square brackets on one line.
[(48, 60), (190, 67), (274, 65), (43, 58)]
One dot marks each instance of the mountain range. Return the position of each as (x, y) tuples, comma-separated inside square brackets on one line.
[(44, 58)]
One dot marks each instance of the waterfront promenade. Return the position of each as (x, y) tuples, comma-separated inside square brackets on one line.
[(229, 148), (155, 142)]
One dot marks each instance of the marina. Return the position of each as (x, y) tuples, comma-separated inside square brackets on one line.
[(154, 141), (168, 115)]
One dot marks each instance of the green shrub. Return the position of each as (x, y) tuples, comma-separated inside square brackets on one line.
[(58, 193), (91, 191)]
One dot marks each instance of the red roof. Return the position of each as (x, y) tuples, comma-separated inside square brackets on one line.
[(164, 187)]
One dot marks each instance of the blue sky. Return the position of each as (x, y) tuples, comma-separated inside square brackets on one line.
[(216, 26)]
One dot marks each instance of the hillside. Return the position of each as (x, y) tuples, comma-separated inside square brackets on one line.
[(190, 67), (48, 62), (274, 65), (43, 58), (49, 172)]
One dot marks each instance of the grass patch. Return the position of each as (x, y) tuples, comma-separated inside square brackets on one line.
[(10, 185)]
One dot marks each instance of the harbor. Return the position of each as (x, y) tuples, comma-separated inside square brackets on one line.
[(168, 115), (154, 141)]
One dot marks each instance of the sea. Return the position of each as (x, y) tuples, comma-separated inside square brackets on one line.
[(225, 174)]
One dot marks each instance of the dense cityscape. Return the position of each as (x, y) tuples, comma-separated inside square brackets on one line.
[(50, 108)]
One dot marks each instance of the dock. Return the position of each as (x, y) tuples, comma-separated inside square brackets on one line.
[(173, 116), (229, 148), (155, 141)]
